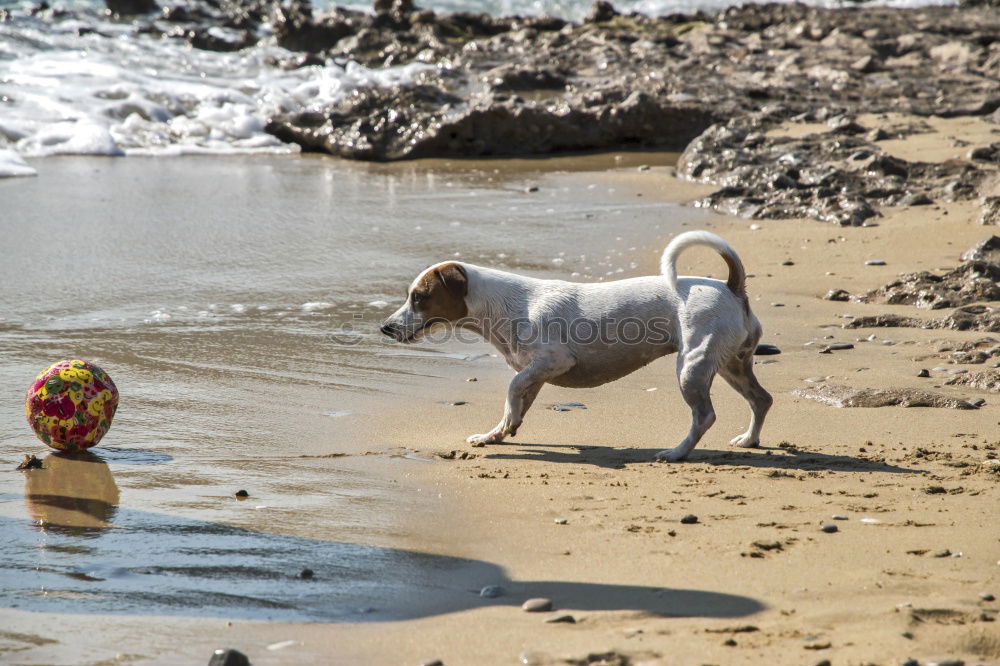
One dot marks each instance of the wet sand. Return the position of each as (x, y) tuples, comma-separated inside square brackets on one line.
[(574, 510)]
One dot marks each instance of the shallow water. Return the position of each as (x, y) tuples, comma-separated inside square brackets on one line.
[(217, 292)]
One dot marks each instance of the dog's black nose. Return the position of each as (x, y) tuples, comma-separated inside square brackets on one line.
[(388, 329)]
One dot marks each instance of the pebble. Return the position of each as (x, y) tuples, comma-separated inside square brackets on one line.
[(458, 403), (472, 379), (788, 262), (838, 516), (568, 406), (755, 227), (689, 519), (924, 372), (228, 657), (432, 662), (910, 662), (829, 528), (766, 350), (838, 295), (306, 574), (491, 592), (537, 605), (946, 662), (531, 188), (561, 521), (986, 596), (814, 380), (568, 619), (242, 493), (875, 262)]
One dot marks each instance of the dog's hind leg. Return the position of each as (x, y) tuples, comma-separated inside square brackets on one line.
[(738, 371), (523, 390), (695, 371)]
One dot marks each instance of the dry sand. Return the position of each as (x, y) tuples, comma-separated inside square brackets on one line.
[(574, 510)]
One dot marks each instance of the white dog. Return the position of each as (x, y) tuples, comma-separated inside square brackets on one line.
[(583, 335)]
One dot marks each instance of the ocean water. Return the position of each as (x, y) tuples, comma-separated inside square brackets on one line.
[(235, 301), (112, 92)]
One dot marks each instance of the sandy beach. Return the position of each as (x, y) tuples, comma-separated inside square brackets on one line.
[(574, 510)]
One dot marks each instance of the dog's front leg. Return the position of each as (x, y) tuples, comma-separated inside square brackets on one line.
[(523, 389)]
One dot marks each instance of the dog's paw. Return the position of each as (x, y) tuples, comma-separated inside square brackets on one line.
[(670, 455), (484, 439), (744, 441)]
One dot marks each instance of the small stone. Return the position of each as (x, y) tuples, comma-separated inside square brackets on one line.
[(537, 605), (836, 346), (472, 379), (568, 619), (729, 642), (755, 227), (946, 662), (531, 188), (829, 528), (924, 372), (306, 574), (788, 262), (242, 494), (228, 657), (837, 295), (458, 403), (643, 167), (943, 553), (432, 662), (766, 350), (875, 262), (491, 592), (561, 521), (838, 516), (689, 519), (910, 662), (986, 596)]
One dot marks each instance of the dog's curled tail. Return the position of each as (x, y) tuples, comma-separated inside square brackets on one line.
[(737, 274)]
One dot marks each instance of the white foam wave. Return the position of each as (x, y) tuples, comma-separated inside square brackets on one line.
[(119, 93), (12, 164)]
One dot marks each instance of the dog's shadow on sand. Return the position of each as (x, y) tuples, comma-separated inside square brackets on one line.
[(777, 458), (74, 550)]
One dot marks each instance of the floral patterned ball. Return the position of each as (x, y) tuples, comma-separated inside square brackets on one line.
[(70, 405)]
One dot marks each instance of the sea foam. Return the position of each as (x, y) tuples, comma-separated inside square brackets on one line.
[(114, 92)]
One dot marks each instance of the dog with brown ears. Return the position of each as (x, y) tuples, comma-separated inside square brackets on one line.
[(586, 334)]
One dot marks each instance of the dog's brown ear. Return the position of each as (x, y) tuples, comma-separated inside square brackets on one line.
[(454, 279)]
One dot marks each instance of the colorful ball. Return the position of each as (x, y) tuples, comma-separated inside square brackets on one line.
[(70, 405)]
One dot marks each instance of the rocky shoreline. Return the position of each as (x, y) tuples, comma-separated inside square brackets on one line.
[(710, 85)]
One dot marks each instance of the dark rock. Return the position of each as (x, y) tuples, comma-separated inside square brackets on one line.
[(131, 7), (689, 519), (837, 295), (228, 657), (766, 350), (242, 494), (924, 372), (985, 250), (306, 574), (970, 282), (990, 153), (916, 199), (600, 12), (829, 528)]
